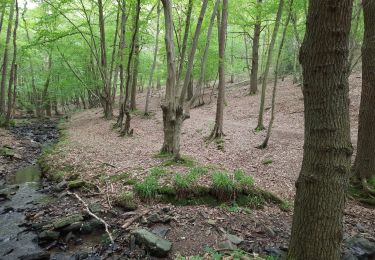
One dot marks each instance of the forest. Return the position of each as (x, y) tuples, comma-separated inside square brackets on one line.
[(188, 130)]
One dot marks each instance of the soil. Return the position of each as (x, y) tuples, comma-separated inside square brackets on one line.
[(95, 151)]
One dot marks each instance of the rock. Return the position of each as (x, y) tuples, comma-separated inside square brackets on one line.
[(211, 222), (275, 252), (7, 151), (95, 208), (227, 245), (269, 231), (234, 239), (156, 245), (36, 256), (126, 201), (74, 227), (62, 185), (76, 184), (160, 230), (348, 256), (48, 235), (91, 225), (361, 247), (63, 222), (157, 218)]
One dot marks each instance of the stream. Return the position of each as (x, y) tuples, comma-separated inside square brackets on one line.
[(21, 190)]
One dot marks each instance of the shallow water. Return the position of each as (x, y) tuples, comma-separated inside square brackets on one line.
[(30, 173)]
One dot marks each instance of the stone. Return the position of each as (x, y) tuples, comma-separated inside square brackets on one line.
[(62, 185), (76, 184), (157, 218), (361, 247), (160, 230), (157, 246), (36, 256), (48, 235), (95, 208), (91, 226), (66, 221), (227, 245), (234, 239), (74, 227)]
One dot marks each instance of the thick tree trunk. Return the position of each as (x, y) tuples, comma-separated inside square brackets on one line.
[(218, 132), (172, 123), (317, 228), (260, 125), (5, 59), (364, 165), (255, 54)]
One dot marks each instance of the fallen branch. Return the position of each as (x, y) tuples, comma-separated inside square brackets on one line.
[(93, 215), (135, 218)]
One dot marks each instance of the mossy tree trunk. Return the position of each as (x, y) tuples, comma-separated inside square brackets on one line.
[(317, 228), (255, 53), (364, 166)]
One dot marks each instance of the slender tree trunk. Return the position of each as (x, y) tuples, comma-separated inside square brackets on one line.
[(260, 125), (184, 41), (5, 59), (153, 62), (193, 49), (45, 98), (317, 228), (133, 105), (246, 45), (232, 61), (2, 14), (12, 77), (255, 53), (198, 93), (276, 72), (296, 66), (125, 128), (217, 132), (121, 54), (107, 97), (364, 166), (14, 91)]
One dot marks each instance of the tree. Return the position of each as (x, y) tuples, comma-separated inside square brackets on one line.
[(317, 228), (5, 59), (260, 125), (364, 165), (255, 54), (217, 132)]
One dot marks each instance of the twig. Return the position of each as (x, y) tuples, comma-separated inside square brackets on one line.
[(135, 218), (93, 215)]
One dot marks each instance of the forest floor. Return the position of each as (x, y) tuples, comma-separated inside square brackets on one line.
[(94, 150)]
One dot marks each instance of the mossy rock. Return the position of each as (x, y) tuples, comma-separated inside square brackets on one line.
[(66, 221), (7, 151), (126, 201), (76, 184), (72, 176)]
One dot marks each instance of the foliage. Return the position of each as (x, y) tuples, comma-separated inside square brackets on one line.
[(147, 189), (223, 186)]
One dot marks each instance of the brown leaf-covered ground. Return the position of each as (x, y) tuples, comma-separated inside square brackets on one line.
[(95, 151)]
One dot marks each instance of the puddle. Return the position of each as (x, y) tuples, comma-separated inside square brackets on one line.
[(30, 173)]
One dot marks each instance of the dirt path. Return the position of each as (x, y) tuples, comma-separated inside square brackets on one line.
[(92, 146)]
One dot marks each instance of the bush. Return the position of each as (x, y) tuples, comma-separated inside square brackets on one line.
[(147, 189)]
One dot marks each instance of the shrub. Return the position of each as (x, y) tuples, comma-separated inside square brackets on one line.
[(147, 189)]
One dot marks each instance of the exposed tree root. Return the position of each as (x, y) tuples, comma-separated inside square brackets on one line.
[(135, 218), (366, 187)]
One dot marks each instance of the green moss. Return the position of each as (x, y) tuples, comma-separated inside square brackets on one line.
[(267, 161), (126, 201), (57, 176), (357, 192), (242, 180), (76, 184), (157, 171), (285, 206), (183, 161), (120, 177)]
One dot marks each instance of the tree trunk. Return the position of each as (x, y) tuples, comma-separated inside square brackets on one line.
[(232, 61), (184, 42), (255, 54), (125, 128), (172, 113), (198, 97), (3, 5), (193, 49), (364, 166), (5, 60), (153, 62), (260, 125), (13, 70), (317, 228), (107, 97), (217, 132), (122, 61), (276, 72), (133, 105)]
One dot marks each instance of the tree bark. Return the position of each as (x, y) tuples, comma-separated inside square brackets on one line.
[(154, 61), (133, 104), (364, 166), (5, 60), (260, 125), (13, 70), (255, 53), (321, 187), (198, 92), (276, 72), (217, 132)]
